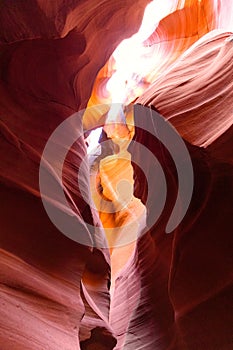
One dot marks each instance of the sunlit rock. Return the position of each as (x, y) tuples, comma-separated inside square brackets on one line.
[(155, 291)]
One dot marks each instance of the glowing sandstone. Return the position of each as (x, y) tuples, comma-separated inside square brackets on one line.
[(175, 291)]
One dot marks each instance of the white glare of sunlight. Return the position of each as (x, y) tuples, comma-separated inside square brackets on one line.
[(93, 140), (134, 60)]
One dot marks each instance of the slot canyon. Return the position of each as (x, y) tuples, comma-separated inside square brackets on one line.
[(116, 174)]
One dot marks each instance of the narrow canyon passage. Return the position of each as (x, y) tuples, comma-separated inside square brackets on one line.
[(116, 175), (123, 216)]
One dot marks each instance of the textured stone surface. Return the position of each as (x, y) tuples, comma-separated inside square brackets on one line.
[(168, 291)]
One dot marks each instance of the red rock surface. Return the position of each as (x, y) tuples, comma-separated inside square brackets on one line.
[(175, 291)]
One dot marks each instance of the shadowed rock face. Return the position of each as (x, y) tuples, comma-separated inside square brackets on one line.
[(179, 284), (50, 55), (174, 291)]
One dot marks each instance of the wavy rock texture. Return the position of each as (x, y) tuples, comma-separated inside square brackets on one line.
[(168, 291), (179, 25), (46, 61), (200, 88), (186, 276)]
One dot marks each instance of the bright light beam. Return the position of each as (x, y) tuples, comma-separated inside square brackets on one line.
[(93, 140)]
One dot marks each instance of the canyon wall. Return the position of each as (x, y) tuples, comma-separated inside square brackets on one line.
[(174, 291)]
